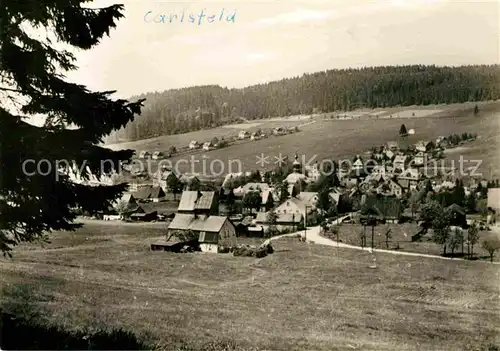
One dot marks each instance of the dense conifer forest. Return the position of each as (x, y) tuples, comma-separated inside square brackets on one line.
[(194, 108)]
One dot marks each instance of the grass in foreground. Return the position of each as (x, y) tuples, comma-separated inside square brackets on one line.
[(302, 297)]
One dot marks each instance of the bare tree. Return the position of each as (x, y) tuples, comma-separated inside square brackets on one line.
[(388, 236), (491, 245), (473, 237), (455, 240)]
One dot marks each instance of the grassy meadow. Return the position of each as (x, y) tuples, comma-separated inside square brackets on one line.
[(350, 234), (302, 297)]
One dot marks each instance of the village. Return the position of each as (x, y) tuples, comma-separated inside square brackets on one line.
[(391, 186)]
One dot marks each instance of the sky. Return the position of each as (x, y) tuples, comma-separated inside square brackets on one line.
[(260, 41), (270, 40)]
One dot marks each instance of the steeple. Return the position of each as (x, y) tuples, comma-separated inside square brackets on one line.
[(297, 167)]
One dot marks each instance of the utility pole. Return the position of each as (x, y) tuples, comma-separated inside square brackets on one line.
[(305, 225), (373, 230)]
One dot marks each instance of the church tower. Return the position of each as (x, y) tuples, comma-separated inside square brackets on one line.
[(297, 167)]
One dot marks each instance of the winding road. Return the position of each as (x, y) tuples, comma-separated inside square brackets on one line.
[(313, 236)]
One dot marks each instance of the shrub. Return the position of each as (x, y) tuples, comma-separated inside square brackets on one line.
[(47, 337)]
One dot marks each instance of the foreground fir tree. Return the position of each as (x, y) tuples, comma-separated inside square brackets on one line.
[(32, 203)]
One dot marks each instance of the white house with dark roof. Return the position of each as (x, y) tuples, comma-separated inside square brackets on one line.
[(409, 179), (400, 162), (144, 154), (303, 204), (194, 145), (283, 221), (212, 230), (248, 187)]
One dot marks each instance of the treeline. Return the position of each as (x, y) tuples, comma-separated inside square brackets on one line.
[(188, 109)]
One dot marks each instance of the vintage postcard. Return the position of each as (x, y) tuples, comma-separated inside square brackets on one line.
[(250, 175)]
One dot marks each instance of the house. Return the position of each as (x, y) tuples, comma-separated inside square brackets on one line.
[(295, 178), (384, 208), (390, 188), (409, 179), (313, 172), (123, 207), (419, 159), (157, 194), (163, 178), (207, 146), (400, 162), (194, 145), (357, 164), (212, 231), (494, 199), (335, 198), (458, 215), (425, 146), (255, 136), (248, 187), (144, 216), (279, 131), (289, 221), (150, 193), (389, 154), (243, 134), (304, 204), (144, 154), (443, 143), (379, 169), (186, 179), (392, 146), (198, 202), (158, 155), (230, 177), (267, 199)]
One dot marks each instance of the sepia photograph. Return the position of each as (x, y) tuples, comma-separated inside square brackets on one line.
[(250, 175)]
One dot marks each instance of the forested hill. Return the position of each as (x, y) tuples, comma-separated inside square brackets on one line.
[(188, 109)]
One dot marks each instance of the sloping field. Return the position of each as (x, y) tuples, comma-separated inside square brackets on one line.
[(162, 143), (302, 297), (328, 139)]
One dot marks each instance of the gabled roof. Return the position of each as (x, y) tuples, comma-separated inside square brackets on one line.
[(386, 206), (281, 218), (295, 177), (335, 196), (128, 198), (456, 208), (184, 221), (301, 204), (400, 158), (254, 187), (185, 179), (199, 200), (266, 195), (307, 197), (358, 163), (157, 192), (411, 173), (143, 192), (164, 175)]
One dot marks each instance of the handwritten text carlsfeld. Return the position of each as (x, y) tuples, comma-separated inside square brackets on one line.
[(183, 17)]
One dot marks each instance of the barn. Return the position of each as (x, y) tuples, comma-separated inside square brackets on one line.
[(212, 231)]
